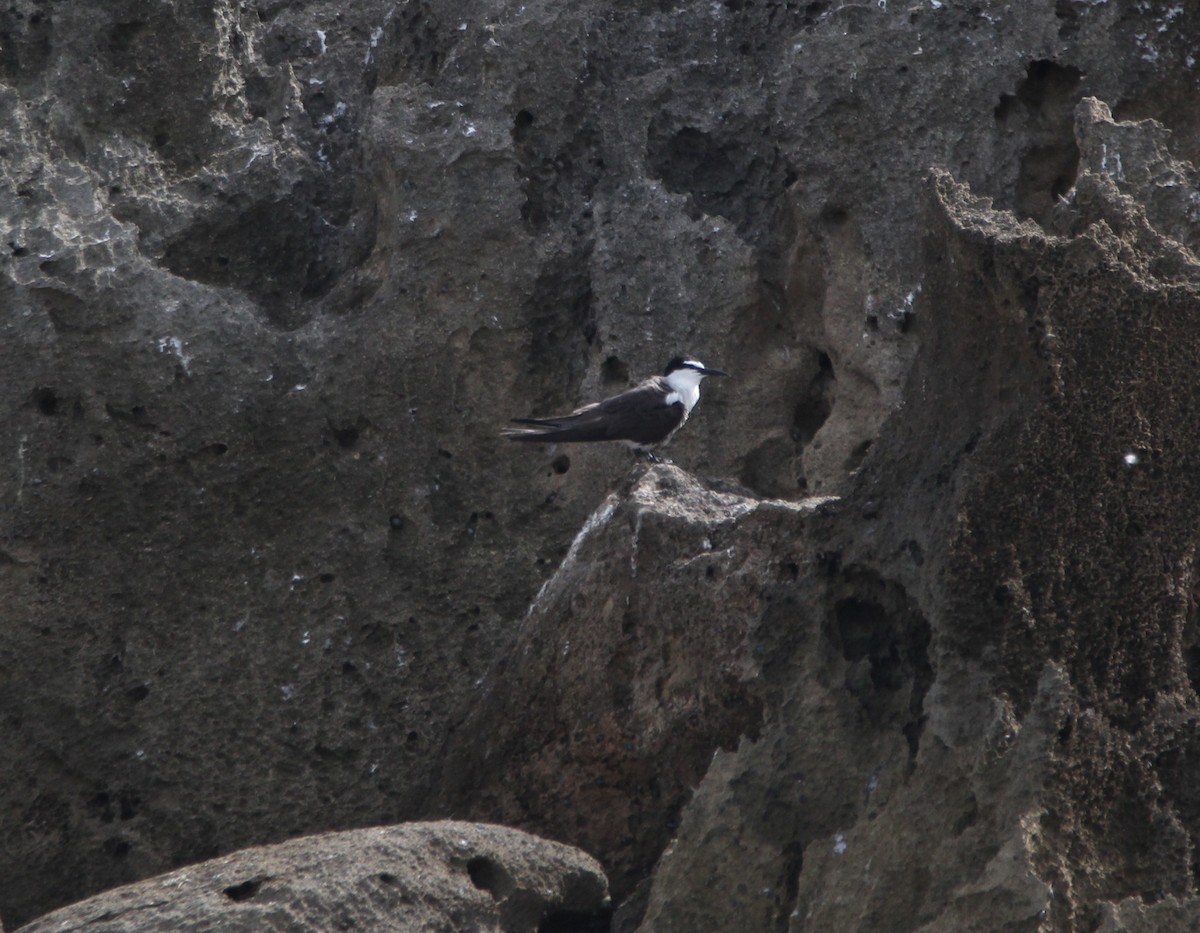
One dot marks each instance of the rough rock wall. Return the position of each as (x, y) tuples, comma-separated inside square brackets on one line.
[(963, 696), (644, 654), (274, 272), (1048, 784)]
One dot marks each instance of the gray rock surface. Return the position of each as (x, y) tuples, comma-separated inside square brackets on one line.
[(1047, 784), (646, 651), (275, 273), (448, 876)]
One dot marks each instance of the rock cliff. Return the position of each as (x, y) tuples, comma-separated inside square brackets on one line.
[(906, 640)]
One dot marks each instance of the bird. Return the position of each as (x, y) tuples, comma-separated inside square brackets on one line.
[(644, 417)]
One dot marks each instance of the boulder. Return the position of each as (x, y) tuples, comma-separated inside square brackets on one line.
[(416, 876)]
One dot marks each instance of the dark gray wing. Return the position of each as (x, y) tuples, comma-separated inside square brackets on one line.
[(638, 415)]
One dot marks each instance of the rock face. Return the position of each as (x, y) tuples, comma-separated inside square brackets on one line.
[(421, 876), (275, 273), (641, 656), (995, 563)]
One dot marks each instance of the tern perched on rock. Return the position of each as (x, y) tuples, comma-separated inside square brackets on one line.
[(643, 417)]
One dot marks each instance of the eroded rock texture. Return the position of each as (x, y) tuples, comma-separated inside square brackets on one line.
[(644, 653), (421, 876), (273, 275), (996, 559)]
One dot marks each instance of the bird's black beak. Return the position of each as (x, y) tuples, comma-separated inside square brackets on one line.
[(714, 372)]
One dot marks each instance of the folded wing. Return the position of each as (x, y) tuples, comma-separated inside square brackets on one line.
[(639, 415)]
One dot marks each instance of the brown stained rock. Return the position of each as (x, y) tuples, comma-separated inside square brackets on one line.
[(641, 656), (419, 876)]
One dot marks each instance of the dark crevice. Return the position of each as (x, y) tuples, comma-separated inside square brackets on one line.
[(138, 693), (614, 372), (489, 875), (1039, 114), (558, 167), (107, 807), (245, 890), (814, 407), (738, 174), (347, 435), (46, 400), (576, 921), (793, 864), (281, 253), (884, 640)]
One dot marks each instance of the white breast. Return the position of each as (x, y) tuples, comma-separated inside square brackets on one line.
[(685, 387)]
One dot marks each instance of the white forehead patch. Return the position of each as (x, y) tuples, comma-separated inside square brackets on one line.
[(695, 364)]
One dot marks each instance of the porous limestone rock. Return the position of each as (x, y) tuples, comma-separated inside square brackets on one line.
[(449, 876), (1033, 508), (274, 274), (646, 651)]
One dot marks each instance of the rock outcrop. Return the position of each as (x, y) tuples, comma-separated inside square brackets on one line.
[(963, 696), (420, 876), (1030, 517), (648, 650), (275, 273)]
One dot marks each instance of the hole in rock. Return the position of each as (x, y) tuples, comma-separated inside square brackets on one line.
[(1039, 118), (45, 400), (489, 875), (814, 406), (884, 639), (522, 122), (613, 370), (245, 890), (346, 437), (734, 171)]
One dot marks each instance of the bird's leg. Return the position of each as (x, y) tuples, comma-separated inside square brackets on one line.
[(645, 453)]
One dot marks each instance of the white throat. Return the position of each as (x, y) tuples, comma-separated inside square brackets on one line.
[(685, 387)]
